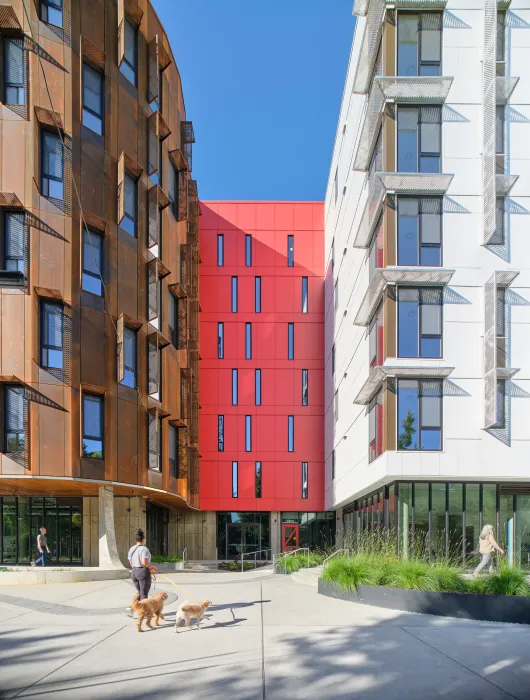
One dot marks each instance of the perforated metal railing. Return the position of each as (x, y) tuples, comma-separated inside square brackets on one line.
[(368, 53), (488, 130), (490, 359)]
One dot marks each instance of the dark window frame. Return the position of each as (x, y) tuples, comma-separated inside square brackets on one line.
[(89, 234), (220, 340), (129, 66), (305, 387), (235, 479), (18, 261), (420, 427), (84, 107), (257, 295), (421, 244), (290, 341), (420, 109), (25, 73), (220, 433), (129, 332), (101, 401), (57, 6), (305, 480), (248, 433), (46, 177), (290, 433), (421, 336), (248, 250), (132, 221), (421, 63), (46, 347), (11, 430), (290, 250), (257, 387), (234, 294), (220, 250), (235, 387), (258, 479), (248, 341), (305, 295)]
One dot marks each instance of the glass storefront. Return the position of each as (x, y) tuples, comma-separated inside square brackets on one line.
[(315, 530), (20, 520), (157, 529), (242, 533), (444, 520)]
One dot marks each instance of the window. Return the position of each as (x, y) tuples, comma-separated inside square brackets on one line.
[(420, 322), (420, 231), (500, 212), (419, 139), (248, 250), (234, 387), (220, 433), (172, 189), (14, 224), (156, 162), (304, 294), (160, 367), (419, 44), (248, 433), (375, 427), (501, 43), (258, 479), (93, 426), (128, 223), (234, 295), (52, 165), (305, 475), (173, 447), (220, 341), (248, 341), (499, 132), (376, 251), (51, 11), (92, 262), (129, 357), (290, 430), (375, 338), (257, 295), (93, 93), (333, 465), (128, 65), (14, 72), (220, 250), (172, 321), (234, 479), (501, 330), (501, 404), (52, 335), (419, 414), (15, 406), (290, 251), (257, 387), (290, 341), (305, 388)]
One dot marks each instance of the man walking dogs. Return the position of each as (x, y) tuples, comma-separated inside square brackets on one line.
[(42, 546), (487, 547)]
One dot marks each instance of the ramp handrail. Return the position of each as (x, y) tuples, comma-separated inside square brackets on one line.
[(284, 556), (338, 551), (249, 554)]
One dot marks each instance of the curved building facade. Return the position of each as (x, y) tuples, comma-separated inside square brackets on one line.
[(99, 258)]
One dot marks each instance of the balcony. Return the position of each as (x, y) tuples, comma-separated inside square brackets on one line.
[(370, 128), (504, 183), (504, 88), (360, 7), (415, 88), (385, 276), (375, 11), (415, 183), (379, 374), (372, 210)]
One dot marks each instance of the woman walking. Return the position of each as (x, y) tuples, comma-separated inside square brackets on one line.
[(487, 547), (140, 560)]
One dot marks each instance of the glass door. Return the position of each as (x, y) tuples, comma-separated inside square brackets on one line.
[(290, 536)]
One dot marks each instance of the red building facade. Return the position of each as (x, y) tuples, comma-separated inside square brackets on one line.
[(262, 349)]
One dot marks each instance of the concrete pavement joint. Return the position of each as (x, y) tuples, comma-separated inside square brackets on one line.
[(59, 609), (419, 639), (89, 648), (262, 642)]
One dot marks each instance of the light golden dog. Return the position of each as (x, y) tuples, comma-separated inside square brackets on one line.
[(187, 611), (148, 608)]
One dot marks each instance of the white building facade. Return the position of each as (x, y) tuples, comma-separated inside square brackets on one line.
[(428, 278)]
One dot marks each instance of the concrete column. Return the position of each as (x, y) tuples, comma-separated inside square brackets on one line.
[(276, 532), (108, 550), (339, 533)]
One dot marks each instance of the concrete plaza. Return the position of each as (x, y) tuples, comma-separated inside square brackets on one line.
[(266, 636)]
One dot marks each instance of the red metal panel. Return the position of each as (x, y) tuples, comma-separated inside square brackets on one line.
[(269, 224)]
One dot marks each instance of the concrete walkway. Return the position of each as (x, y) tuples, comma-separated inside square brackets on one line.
[(265, 637)]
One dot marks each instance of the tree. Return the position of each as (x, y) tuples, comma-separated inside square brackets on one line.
[(405, 439)]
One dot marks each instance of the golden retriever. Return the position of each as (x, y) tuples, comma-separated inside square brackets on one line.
[(148, 608), (186, 611)]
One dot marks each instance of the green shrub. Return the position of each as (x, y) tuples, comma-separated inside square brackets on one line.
[(165, 559), (295, 562), (506, 582)]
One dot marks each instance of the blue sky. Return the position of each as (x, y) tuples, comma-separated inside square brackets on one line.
[(263, 83)]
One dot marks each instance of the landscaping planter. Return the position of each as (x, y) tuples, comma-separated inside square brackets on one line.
[(469, 606), (169, 567)]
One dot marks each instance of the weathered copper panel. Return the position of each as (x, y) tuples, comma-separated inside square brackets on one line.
[(92, 347)]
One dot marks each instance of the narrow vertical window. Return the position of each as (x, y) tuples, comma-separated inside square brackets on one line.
[(51, 12), (52, 335), (220, 250), (93, 421), (93, 92), (14, 72), (305, 475), (257, 387), (234, 479), (14, 257), (290, 433), (14, 409), (290, 341), (333, 465), (92, 262), (128, 65), (234, 295), (257, 295), (173, 451), (220, 433), (129, 357), (258, 479), (234, 387), (290, 251), (305, 387), (333, 360), (248, 341), (172, 191), (248, 250), (220, 341), (128, 223), (304, 295), (248, 433), (52, 165), (172, 319)]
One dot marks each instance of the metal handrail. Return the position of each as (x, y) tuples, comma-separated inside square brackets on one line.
[(249, 554), (335, 554), (284, 555), (184, 555)]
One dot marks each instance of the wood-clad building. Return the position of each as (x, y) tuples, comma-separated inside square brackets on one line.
[(99, 283)]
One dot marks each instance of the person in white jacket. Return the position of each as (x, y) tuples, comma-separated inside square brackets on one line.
[(487, 547)]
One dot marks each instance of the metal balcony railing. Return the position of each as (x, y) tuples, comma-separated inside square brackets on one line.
[(372, 210), (368, 55), (504, 183), (378, 374), (504, 87), (415, 183), (415, 88), (360, 7)]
